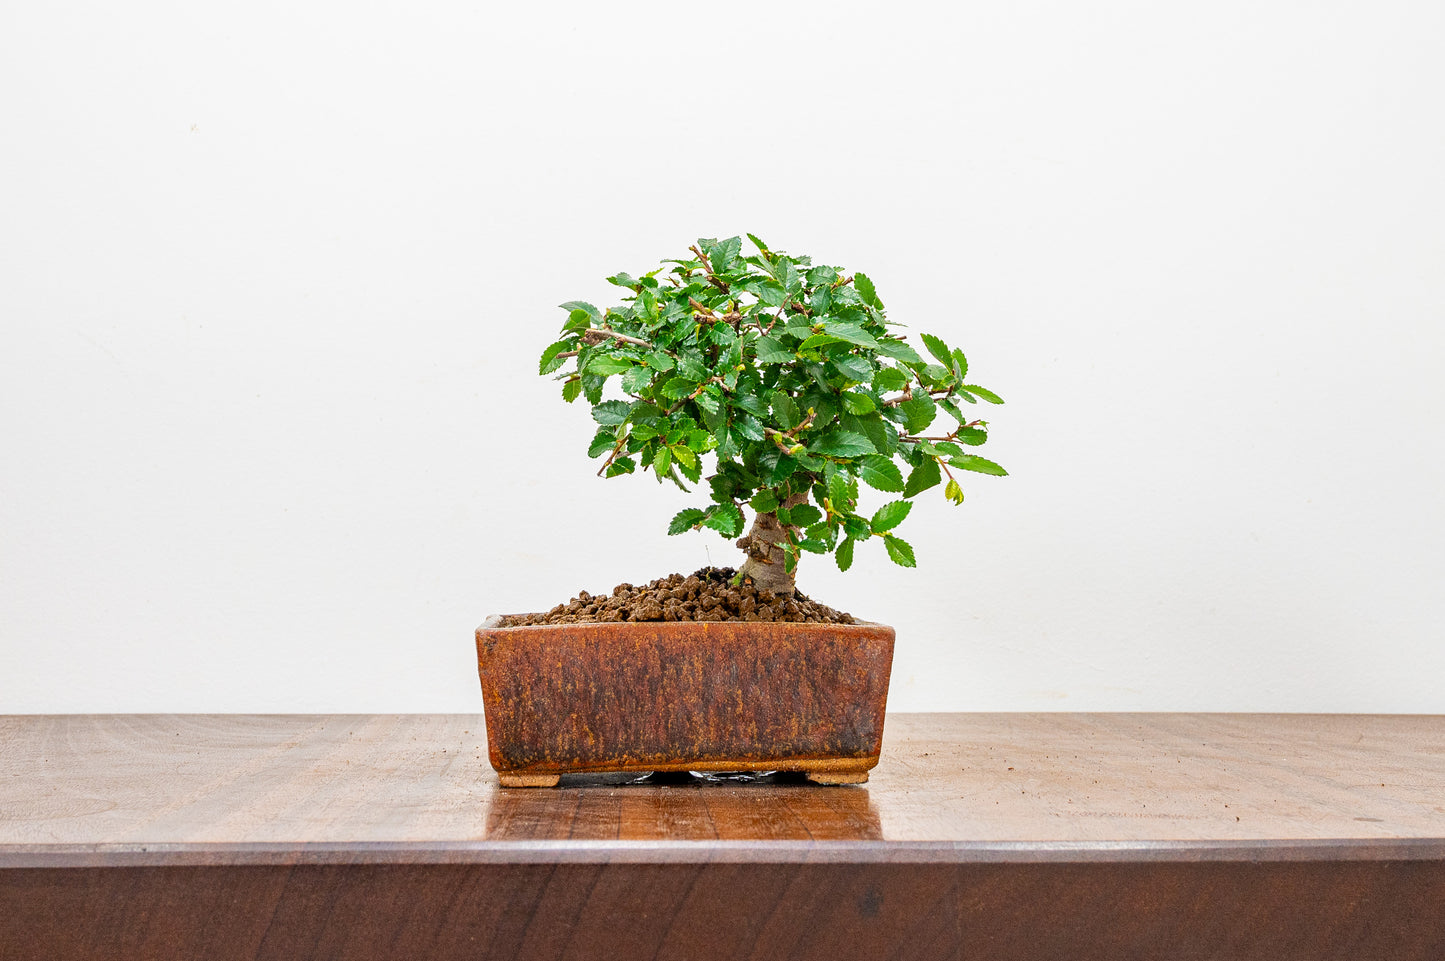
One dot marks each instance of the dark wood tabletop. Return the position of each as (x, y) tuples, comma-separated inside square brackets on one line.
[(980, 835)]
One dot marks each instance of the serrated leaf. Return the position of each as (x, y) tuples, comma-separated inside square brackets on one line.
[(577, 320), (762, 247), (764, 502), (844, 555), (858, 403), (623, 280), (634, 379), (550, 361), (622, 465), (922, 477), (725, 253), (803, 515), (953, 492), (938, 348), (839, 493), (785, 411), (983, 392), (821, 275), (979, 465), (853, 367), (889, 378), (900, 551), (726, 519), (820, 340), (840, 443), (866, 290), (685, 520), (611, 412), (960, 364), (972, 436), (573, 305), (852, 333), (771, 294), (918, 412), (661, 461), (898, 350), (677, 388), (889, 516), (571, 390), (813, 545), (771, 351), (748, 427), (602, 442), (659, 360), (684, 455), (880, 473), (605, 365), (708, 401), (857, 527)]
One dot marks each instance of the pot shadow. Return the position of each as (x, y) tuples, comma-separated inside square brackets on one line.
[(684, 806)]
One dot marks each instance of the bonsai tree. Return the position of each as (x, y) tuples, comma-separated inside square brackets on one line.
[(789, 373)]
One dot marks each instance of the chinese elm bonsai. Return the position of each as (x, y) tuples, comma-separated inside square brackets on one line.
[(791, 375)]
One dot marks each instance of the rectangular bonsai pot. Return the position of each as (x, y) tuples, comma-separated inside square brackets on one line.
[(684, 695)]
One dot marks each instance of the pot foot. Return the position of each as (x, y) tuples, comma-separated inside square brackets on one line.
[(529, 780), (838, 777)]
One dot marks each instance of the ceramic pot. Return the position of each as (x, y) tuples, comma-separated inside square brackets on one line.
[(684, 696)]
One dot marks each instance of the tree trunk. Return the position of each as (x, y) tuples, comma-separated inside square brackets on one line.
[(765, 557)]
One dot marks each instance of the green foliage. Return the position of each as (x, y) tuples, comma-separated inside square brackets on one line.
[(786, 372)]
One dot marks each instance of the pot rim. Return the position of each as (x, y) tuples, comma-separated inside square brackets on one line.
[(493, 620)]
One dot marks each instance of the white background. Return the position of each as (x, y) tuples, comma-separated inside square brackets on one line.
[(274, 278)]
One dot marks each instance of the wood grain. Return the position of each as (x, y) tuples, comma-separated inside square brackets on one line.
[(1086, 837)]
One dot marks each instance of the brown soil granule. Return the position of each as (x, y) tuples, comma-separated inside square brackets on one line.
[(705, 595)]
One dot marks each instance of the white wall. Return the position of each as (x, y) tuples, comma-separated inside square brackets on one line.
[(274, 277)]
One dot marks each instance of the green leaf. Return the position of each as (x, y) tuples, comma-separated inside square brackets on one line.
[(813, 545), (785, 411), (771, 295), (764, 502), (880, 473), (550, 361), (866, 290), (611, 412), (821, 275), (571, 389), (918, 412), (579, 319), (604, 365), (900, 551), (622, 465), (852, 333), (725, 253), (857, 527), (661, 461), (708, 401), (983, 392), (972, 436), (683, 455), (855, 368), (573, 305), (980, 465), (898, 350), (890, 515), (938, 348), (840, 443), (804, 514), (602, 442), (857, 403), (960, 364), (953, 492), (726, 519), (659, 360), (922, 477), (771, 351), (844, 555), (889, 378), (685, 520), (841, 492), (623, 280), (677, 388), (762, 247), (634, 379), (820, 340)]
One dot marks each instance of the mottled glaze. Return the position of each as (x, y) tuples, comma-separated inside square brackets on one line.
[(678, 695)]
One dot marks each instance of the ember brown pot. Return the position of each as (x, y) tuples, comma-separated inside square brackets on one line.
[(684, 696)]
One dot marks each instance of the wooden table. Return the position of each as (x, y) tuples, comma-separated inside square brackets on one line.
[(995, 836)]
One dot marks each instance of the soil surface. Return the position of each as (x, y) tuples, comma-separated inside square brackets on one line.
[(705, 595)]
